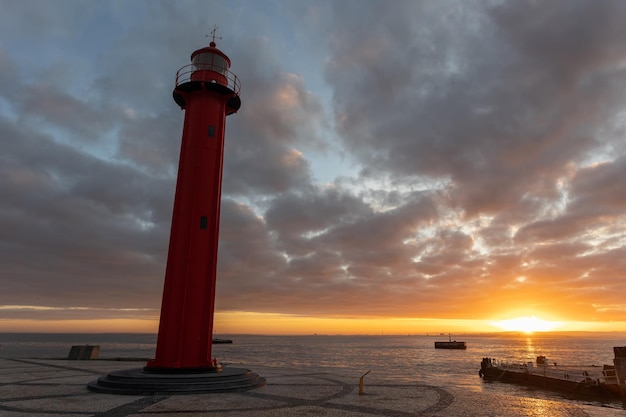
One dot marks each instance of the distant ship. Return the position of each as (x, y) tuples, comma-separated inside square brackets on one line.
[(450, 344), (217, 340)]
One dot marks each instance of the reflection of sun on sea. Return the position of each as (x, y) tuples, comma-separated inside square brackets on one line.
[(526, 325)]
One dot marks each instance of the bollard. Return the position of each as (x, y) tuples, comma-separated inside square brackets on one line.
[(361, 382)]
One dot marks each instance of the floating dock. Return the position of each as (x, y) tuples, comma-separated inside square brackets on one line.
[(577, 381)]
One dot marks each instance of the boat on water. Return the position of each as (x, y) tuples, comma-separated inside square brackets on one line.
[(450, 344), (217, 341), (577, 381)]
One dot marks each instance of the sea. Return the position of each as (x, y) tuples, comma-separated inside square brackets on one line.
[(398, 358)]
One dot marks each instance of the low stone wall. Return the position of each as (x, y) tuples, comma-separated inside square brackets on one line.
[(84, 352)]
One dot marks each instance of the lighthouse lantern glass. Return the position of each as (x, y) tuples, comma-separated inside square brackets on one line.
[(212, 62)]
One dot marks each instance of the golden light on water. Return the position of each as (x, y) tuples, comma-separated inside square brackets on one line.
[(527, 325)]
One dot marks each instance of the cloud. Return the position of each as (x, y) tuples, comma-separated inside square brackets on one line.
[(483, 140), (277, 120), (470, 97)]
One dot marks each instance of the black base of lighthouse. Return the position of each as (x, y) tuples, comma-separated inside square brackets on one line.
[(138, 381)]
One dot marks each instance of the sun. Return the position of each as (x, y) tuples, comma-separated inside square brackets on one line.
[(526, 325)]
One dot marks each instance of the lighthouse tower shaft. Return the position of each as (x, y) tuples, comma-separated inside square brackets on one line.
[(208, 92)]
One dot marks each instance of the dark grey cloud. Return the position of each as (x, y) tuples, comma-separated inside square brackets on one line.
[(74, 226), (477, 99), (278, 118), (598, 191)]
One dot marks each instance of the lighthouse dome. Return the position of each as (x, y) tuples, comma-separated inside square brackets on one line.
[(211, 59)]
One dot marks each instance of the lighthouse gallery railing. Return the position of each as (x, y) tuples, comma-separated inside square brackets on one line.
[(184, 75)]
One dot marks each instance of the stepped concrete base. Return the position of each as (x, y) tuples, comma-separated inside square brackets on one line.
[(138, 381)]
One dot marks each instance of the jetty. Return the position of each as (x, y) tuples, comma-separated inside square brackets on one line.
[(605, 381)]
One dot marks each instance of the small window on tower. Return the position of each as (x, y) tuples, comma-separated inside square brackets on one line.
[(204, 221), (211, 131)]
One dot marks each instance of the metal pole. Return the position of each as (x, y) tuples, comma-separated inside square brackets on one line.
[(361, 382)]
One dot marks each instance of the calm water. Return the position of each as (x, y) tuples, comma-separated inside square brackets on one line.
[(394, 358)]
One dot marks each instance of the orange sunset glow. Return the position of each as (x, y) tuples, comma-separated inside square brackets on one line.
[(281, 324), (527, 325)]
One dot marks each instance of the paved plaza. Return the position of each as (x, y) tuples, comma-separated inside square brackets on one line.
[(42, 387)]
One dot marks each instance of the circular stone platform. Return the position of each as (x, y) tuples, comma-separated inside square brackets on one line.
[(139, 382)]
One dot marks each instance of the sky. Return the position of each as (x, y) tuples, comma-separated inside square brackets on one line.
[(395, 167)]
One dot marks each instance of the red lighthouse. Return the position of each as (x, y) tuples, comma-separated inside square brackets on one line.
[(208, 92)]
